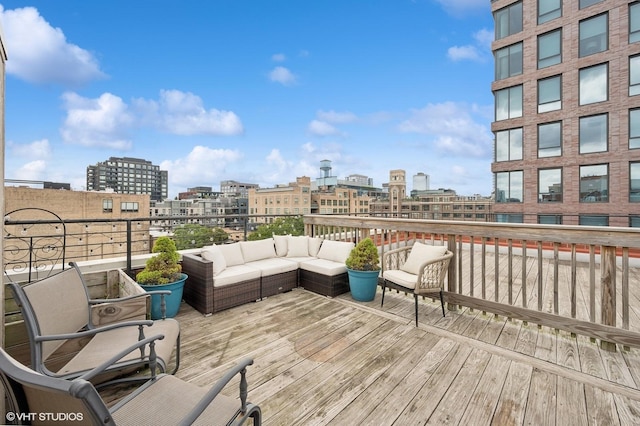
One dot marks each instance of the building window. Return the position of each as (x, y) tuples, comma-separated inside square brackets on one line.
[(594, 35), (634, 128), (509, 187), (129, 207), (634, 22), (550, 49), (509, 103), (594, 183), (107, 206), (593, 133), (550, 186), (508, 20), (550, 94), (550, 139), (634, 75), (634, 182), (509, 218), (593, 220), (509, 61), (509, 145), (550, 219), (594, 84), (549, 10), (634, 221), (587, 3)]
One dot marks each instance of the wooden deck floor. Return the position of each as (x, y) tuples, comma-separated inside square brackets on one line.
[(335, 361)]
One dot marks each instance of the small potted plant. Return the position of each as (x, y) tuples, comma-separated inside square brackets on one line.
[(363, 268), (163, 272)]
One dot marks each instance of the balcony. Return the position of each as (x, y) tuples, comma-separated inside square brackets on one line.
[(541, 326)]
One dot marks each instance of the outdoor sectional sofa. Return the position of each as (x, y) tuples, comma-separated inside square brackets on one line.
[(224, 276)]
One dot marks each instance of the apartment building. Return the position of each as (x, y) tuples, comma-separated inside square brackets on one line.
[(291, 199), (567, 111), (126, 175)]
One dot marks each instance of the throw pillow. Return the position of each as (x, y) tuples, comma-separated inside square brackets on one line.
[(298, 246), (421, 253)]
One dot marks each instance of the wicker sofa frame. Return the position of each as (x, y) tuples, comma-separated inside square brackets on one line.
[(200, 293)]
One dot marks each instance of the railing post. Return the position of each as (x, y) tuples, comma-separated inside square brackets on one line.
[(452, 273), (128, 246), (608, 283)]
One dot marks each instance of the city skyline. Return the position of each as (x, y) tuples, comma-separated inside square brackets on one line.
[(251, 92)]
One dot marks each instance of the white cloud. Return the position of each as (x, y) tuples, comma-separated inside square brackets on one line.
[(201, 165), (278, 57), (483, 38), (459, 53), (322, 128), (183, 113), (34, 170), (336, 117), (452, 128), (41, 54), (35, 149), (283, 76), (101, 122)]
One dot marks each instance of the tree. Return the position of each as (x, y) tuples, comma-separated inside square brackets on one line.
[(193, 235), (290, 225)]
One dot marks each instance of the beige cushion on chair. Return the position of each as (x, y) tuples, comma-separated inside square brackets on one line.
[(402, 278), (421, 253)]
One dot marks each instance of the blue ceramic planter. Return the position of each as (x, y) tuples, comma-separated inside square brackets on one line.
[(363, 284), (172, 300)]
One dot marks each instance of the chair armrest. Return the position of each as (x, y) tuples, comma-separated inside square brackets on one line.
[(432, 272), (395, 258), (105, 365), (92, 331), (206, 400)]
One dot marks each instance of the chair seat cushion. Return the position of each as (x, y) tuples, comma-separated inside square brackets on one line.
[(402, 278), (421, 253), (324, 267), (274, 266), (168, 400), (236, 274)]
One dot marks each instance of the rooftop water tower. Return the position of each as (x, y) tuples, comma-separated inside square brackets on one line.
[(325, 166)]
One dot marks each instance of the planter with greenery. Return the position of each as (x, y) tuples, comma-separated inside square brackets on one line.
[(363, 268), (163, 273)]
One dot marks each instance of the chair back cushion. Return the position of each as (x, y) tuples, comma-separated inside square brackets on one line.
[(58, 304), (421, 253)]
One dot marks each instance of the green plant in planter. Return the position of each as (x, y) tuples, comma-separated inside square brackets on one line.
[(364, 257), (163, 268)]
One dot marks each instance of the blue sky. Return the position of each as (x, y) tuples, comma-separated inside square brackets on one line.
[(251, 90)]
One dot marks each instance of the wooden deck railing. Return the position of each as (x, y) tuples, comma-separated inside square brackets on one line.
[(584, 280)]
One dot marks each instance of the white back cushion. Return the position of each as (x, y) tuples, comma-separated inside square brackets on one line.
[(281, 244), (421, 253), (337, 251), (214, 254), (314, 246), (232, 254), (258, 250), (298, 246)]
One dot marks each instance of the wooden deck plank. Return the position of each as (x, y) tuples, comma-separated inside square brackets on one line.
[(512, 402), (571, 405), (541, 404), (601, 407), (482, 405)]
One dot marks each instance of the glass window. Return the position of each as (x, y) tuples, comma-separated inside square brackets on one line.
[(594, 35), (593, 220), (594, 84), (593, 133), (634, 182), (550, 49), (634, 22), (550, 139), (634, 221), (586, 3), (509, 61), (634, 75), (107, 206), (550, 219), (509, 145), (634, 128), (550, 186), (509, 103), (508, 20), (594, 183), (509, 187), (509, 218), (550, 94), (549, 10)]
